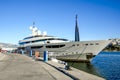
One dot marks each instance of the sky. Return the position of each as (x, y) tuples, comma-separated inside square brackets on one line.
[(97, 19)]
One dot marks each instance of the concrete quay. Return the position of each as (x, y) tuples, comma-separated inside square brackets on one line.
[(74, 73), (22, 67), (2, 56)]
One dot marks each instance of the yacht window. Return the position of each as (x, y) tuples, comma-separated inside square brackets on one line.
[(51, 39), (77, 44), (38, 40), (86, 44), (48, 46), (23, 43), (73, 45), (91, 44), (27, 42), (62, 39), (48, 41), (76, 52), (55, 46), (97, 43), (28, 37), (37, 47)]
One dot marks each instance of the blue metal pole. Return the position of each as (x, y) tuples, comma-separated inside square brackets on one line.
[(30, 53), (45, 56), (22, 51)]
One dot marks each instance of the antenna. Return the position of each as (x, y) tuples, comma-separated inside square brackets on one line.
[(33, 24), (44, 33), (76, 17), (30, 27)]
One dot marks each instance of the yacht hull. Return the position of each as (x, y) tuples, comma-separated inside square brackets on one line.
[(70, 51)]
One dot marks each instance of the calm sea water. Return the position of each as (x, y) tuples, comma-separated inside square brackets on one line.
[(105, 64)]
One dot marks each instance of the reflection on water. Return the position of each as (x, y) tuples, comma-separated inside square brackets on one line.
[(87, 67), (106, 64)]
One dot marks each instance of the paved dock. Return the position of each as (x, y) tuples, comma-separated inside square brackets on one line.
[(74, 73), (21, 67)]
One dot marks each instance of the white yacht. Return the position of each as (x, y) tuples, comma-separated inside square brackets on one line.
[(38, 40), (63, 49)]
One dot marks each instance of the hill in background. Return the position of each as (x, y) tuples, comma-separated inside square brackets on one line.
[(8, 45)]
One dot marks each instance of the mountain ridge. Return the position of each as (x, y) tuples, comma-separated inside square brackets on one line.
[(8, 45)]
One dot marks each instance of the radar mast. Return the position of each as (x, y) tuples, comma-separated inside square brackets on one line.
[(76, 30)]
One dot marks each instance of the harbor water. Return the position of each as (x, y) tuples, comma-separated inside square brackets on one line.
[(105, 64)]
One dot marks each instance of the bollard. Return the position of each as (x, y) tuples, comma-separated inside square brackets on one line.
[(45, 56), (30, 54), (22, 51)]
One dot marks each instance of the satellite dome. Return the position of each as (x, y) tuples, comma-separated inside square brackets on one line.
[(44, 33), (31, 28)]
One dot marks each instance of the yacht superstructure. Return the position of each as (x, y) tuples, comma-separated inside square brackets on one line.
[(39, 39)]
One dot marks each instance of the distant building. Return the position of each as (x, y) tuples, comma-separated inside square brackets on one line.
[(8, 49), (5, 47)]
